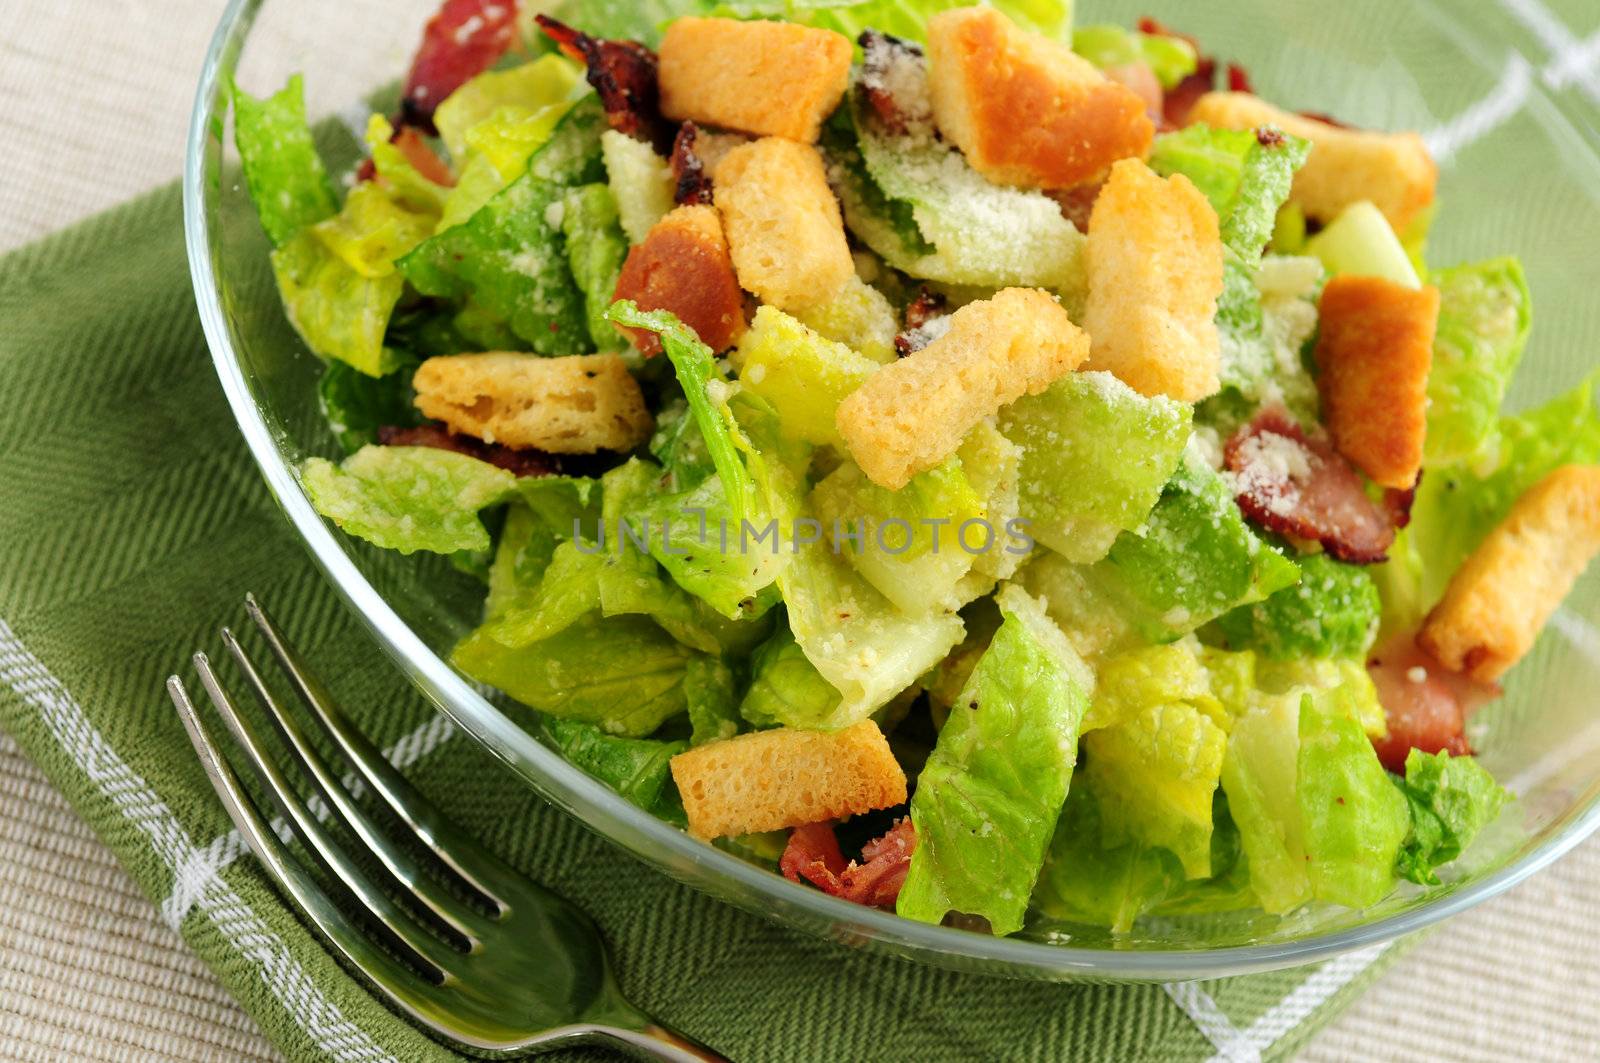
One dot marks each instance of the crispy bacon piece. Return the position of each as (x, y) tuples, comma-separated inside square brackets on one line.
[(1426, 705), (1239, 79), (1299, 486), (684, 266), (813, 856), (1397, 503), (884, 57), (691, 183), (1181, 98), (929, 306), (463, 40), (624, 74), (519, 462), (1077, 203)]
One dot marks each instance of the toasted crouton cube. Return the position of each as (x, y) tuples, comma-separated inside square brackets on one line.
[(1373, 357), (771, 79), (1503, 594), (783, 224), (768, 780), (1154, 259), (684, 266), (911, 415), (573, 405), (1025, 110), (1393, 170)]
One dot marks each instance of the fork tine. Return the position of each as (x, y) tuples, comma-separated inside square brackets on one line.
[(480, 868), (405, 872), (388, 916), (288, 872)]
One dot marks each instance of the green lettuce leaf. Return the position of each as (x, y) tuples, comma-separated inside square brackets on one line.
[(1194, 559), (551, 507), (786, 690), (282, 170), (639, 769), (400, 178), (408, 498), (356, 405), (1259, 776), (803, 375), (1095, 457), (1107, 46), (1353, 818), (338, 312), (1451, 799), (508, 256), (988, 799), (860, 317), (1360, 242), (545, 87), (596, 248), (640, 180), (1484, 317), (372, 230), (710, 689), (1332, 612), (623, 674)]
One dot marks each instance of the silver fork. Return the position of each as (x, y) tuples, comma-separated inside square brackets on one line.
[(469, 948)]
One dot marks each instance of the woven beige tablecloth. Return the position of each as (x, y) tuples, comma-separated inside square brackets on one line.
[(96, 97)]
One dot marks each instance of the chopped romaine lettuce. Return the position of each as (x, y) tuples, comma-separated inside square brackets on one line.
[(338, 312), (639, 769), (1451, 799), (860, 317), (988, 798), (1091, 617), (623, 674), (1332, 612), (509, 256), (786, 690), (803, 375), (285, 175), (1258, 776), (550, 81), (1128, 683), (640, 179), (1340, 683), (372, 230), (1361, 242), (1484, 317), (1352, 817), (403, 181), (710, 690), (408, 498), (1108, 46), (905, 543), (356, 405), (1095, 457), (596, 247), (1194, 559)]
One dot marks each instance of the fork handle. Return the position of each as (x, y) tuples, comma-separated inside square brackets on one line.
[(654, 1041)]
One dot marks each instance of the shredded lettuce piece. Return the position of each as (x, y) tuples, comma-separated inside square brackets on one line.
[(1485, 313), (1194, 559), (509, 256), (287, 181), (909, 543), (710, 689), (548, 84), (338, 312), (988, 798), (1128, 683), (1361, 242), (1171, 59), (1259, 776), (1332, 612), (403, 181), (640, 179), (408, 498), (639, 769), (860, 317), (1451, 800), (356, 405), (1095, 457), (623, 674), (596, 248), (372, 230), (802, 374), (1090, 615), (786, 690)]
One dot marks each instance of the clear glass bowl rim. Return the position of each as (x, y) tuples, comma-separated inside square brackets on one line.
[(663, 846)]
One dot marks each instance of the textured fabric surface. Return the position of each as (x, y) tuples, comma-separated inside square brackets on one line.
[(130, 522)]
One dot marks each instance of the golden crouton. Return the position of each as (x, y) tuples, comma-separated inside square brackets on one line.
[(1024, 109), (573, 405), (1373, 358), (683, 266), (912, 414), (1154, 259), (772, 79), (783, 224), (768, 780), (1393, 170), (1500, 598)]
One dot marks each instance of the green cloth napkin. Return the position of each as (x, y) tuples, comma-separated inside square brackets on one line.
[(132, 522)]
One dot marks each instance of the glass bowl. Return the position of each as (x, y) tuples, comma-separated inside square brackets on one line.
[(1521, 174)]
